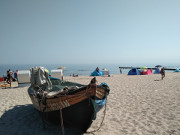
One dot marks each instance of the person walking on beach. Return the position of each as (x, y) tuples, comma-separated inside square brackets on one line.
[(9, 77), (162, 72), (120, 71)]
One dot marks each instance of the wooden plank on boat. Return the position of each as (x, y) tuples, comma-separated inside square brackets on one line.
[(63, 101)]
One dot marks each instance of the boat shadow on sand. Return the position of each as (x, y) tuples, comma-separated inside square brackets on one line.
[(25, 120)]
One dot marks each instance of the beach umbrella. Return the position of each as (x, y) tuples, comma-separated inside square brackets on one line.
[(144, 68), (158, 66), (61, 67)]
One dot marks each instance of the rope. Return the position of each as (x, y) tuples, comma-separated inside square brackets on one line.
[(62, 124), (92, 132)]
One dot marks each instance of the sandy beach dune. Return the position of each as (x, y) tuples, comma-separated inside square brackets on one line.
[(137, 105)]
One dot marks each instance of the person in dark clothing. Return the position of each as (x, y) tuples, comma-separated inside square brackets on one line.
[(97, 69), (162, 72), (15, 75), (120, 71), (9, 77)]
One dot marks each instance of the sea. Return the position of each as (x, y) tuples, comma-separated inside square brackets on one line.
[(78, 69)]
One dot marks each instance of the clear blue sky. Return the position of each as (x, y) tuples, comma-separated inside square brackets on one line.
[(89, 31)]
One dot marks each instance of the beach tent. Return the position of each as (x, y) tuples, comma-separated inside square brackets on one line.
[(134, 71), (157, 70), (143, 67), (106, 71), (146, 72), (23, 76), (57, 73), (97, 73), (177, 70)]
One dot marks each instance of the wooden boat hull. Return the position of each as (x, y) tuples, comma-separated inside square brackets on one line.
[(79, 116), (57, 103), (78, 107)]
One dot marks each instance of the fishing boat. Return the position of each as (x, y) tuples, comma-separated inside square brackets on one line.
[(72, 104)]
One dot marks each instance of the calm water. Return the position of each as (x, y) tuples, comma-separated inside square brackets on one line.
[(80, 69), (84, 70)]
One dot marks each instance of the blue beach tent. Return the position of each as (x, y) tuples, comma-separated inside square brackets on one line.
[(134, 71), (177, 70), (157, 70), (97, 73)]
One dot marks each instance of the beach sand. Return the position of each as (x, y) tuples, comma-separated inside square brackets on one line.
[(136, 105)]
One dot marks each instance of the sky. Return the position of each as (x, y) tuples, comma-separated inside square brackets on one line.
[(90, 31)]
